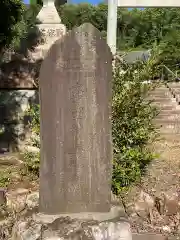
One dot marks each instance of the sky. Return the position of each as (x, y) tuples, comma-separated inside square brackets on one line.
[(78, 1)]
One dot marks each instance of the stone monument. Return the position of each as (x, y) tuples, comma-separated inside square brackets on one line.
[(75, 99)]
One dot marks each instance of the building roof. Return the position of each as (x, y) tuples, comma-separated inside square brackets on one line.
[(134, 56)]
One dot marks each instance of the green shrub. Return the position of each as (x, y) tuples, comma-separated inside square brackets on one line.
[(32, 159), (132, 127), (5, 178), (32, 162), (169, 49), (34, 112), (11, 12)]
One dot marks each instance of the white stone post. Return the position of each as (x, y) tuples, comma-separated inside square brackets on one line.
[(112, 25), (49, 26)]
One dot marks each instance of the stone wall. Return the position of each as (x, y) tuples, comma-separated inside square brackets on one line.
[(14, 118), (18, 89)]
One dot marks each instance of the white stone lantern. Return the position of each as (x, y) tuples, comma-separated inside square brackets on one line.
[(48, 13), (50, 26)]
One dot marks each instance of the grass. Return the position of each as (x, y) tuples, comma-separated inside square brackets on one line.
[(15, 175)]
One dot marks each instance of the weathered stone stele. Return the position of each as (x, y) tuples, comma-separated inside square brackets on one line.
[(75, 100)]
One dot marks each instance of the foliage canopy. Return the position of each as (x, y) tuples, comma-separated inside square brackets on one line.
[(11, 12), (136, 29)]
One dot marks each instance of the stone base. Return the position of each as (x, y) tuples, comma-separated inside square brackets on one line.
[(149, 236), (116, 212), (64, 228)]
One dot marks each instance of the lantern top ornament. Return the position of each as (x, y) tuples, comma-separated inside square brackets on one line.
[(48, 14)]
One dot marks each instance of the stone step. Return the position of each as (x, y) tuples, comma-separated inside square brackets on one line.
[(170, 137), (161, 88), (167, 124), (175, 89), (172, 104), (170, 130), (167, 117), (167, 121), (160, 94), (164, 107), (168, 112), (163, 100), (165, 103), (174, 85), (9, 159), (168, 102), (148, 236)]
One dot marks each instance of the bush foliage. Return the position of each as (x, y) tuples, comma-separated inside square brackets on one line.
[(32, 159), (11, 26), (135, 28), (132, 125)]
